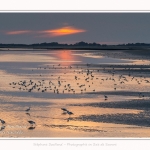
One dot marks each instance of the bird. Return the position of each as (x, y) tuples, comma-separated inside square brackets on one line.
[(31, 122), (64, 109), (69, 113), (2, 121), (105, 97), (28, 109)]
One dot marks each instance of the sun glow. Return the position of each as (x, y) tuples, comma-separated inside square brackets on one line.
[(68, 30), (63, 31)]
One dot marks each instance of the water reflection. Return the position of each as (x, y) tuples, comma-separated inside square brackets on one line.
[(2, 128), (66, 57), (28, 114), (31, 128)]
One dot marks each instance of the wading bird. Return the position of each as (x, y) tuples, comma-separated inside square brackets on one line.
[(105, 97), (69, 113), (2, 121), (28, 109), (31, 122)]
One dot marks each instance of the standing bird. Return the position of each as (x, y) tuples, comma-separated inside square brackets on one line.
[(28, 109), (105, 97), (69, 113), (31, 122), (2, 121)]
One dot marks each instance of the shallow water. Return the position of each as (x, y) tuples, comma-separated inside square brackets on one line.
[(47, 81)]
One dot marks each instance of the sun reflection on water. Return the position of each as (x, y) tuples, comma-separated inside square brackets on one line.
[(66, 57)]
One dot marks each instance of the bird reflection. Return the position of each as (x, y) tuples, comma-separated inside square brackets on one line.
[(64, 113), (2, 128), (28, 114), (68, 119), (31, 128)]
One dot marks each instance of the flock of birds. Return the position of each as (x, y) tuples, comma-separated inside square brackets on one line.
[(85, 79)]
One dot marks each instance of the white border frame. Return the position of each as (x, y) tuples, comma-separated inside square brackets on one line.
[(95, 6)]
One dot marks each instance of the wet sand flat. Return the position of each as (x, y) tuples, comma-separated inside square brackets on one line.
[(106, 93)]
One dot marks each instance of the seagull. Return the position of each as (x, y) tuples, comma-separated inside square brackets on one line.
[(27, 109), (2, 121), (31, 122)]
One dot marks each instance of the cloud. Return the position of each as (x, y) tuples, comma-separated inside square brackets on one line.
[(63, 31), (18, 32)]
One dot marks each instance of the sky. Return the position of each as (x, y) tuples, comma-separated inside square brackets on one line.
[(103, 28)]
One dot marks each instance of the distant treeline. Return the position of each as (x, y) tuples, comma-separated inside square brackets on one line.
[(76, 45), (55, 44)]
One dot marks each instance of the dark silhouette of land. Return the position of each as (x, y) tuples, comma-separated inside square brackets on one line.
[(78, 46)]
